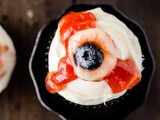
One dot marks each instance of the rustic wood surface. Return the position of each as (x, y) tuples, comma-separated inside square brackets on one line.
[(23, 18)]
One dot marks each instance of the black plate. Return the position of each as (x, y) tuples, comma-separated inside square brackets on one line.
[(114, 109)]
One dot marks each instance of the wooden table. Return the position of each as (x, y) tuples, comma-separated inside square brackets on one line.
[(23, 18)]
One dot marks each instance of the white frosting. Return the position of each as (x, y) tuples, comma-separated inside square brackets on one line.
[(126, 42), (8, 59), (88, 93), (93, 93)]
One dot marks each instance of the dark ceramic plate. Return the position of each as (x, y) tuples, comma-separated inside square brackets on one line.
[(115, 109)]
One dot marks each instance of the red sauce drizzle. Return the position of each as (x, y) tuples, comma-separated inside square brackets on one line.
[(73, 22), (124, 76), (3, 50), (55, 81), (69, 25)]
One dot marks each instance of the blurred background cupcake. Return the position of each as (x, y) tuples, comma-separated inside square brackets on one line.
[(7, 58)]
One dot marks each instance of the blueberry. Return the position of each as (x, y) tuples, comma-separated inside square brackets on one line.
[(88, 56)]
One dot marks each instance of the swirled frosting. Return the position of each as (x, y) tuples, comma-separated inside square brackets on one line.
[(127, 46)]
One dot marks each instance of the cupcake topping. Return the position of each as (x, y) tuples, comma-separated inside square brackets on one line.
[(91, 55), (88, 56)]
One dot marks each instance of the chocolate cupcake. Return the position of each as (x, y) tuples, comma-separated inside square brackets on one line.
[(88, 64)]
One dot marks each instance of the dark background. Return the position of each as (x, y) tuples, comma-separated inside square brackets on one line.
[(22, 19)]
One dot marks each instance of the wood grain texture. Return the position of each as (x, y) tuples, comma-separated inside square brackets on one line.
[(23, 18)]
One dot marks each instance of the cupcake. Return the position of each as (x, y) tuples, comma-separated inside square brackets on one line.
[(7, 59), (89, 64), (93, 58)]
